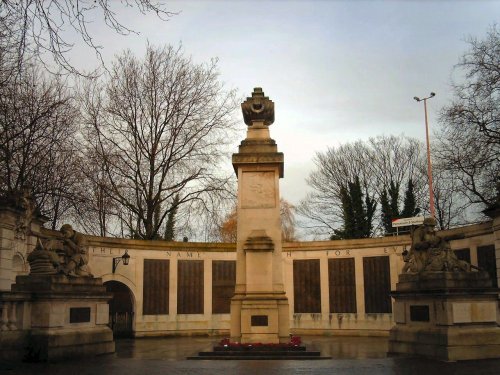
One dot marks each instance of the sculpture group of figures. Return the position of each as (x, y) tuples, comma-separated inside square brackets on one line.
[(430, 252), (64, 255)]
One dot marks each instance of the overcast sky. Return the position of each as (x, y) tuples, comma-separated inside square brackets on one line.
[(337, 71)]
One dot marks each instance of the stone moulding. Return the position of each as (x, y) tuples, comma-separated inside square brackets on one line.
[(428, 282), (258, 241), (253, 159)]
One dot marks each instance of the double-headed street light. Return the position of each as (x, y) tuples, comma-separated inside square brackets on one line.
[(429, 165)]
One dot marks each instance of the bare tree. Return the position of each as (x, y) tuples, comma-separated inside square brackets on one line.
[(39, 29), (96, 212), (467, 154), (335, 168), (160, 125), (470, 126), (477, 93), (38, 149), (288, 221), (451, 206), (376, 163), (395, 159)]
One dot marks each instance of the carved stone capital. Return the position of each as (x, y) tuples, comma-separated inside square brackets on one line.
[(258, 109)]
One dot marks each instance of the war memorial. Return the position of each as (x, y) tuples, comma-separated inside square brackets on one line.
[(64, 294)]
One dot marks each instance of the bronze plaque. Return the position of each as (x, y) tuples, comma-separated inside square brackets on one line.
[(155, 289), (190, 287), (419, 313), (377, 279), (342, 282), (306, 286), (259, 321), (79, 314), (223, 284)]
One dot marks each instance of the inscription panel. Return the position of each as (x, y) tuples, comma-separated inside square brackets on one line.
[(223, 285), (79, 314), (377, 278), (419, 313), (190, 287), (306, 286), (342, 285), (259, 321), (155, 286), (258, 190)]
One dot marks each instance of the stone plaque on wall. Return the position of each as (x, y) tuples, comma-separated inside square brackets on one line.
[(259, 190), (259, 321), (79, 314), (419, 313)]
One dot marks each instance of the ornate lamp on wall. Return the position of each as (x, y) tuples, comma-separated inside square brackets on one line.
[(125, 258)]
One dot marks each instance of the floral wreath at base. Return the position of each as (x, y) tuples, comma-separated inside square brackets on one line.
[(295, 341)]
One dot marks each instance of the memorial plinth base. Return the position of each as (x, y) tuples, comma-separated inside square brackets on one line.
[(55, 317), (293, 349), (263, 317), (448, 316)]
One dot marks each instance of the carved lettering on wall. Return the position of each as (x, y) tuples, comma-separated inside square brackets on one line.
[(103, 251), (258, 190)]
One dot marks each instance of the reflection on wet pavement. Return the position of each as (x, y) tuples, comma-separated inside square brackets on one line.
[(166, 356), (178, 348)]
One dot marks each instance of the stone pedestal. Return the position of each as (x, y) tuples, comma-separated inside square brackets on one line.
[(259, 309), (53, 317), (446, 315)]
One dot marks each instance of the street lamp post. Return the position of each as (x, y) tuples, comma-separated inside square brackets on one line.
[(429, 165)]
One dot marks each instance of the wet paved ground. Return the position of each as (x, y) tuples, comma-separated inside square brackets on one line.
[(155, 356)]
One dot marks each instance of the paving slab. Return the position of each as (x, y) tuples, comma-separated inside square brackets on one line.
[(166, 356)]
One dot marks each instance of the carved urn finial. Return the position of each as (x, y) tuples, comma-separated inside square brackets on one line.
[(258, 108)]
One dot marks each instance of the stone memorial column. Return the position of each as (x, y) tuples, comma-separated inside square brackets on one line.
[(259, 308)]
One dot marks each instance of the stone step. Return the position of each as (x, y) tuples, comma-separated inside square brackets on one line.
[(258, 357), (266, 348), (273, 353), (259, 352)]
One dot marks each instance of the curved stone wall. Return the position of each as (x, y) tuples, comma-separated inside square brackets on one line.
[(333, 287), (372, 264)]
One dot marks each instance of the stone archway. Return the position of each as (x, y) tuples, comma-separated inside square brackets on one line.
[(19, 266), (121, 309)]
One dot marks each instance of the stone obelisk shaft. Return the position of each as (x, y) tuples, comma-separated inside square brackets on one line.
[(259, 309)]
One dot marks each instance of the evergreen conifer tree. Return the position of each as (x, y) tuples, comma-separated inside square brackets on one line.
[(357, 212), (390, 205), (410, 208)]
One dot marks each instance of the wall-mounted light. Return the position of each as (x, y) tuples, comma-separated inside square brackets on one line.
[(125, 258)]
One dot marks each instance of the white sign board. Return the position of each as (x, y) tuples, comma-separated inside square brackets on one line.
[(406, 221)]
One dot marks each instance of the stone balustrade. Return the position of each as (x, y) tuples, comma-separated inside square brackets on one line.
[(9, 319), (12, 312)]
